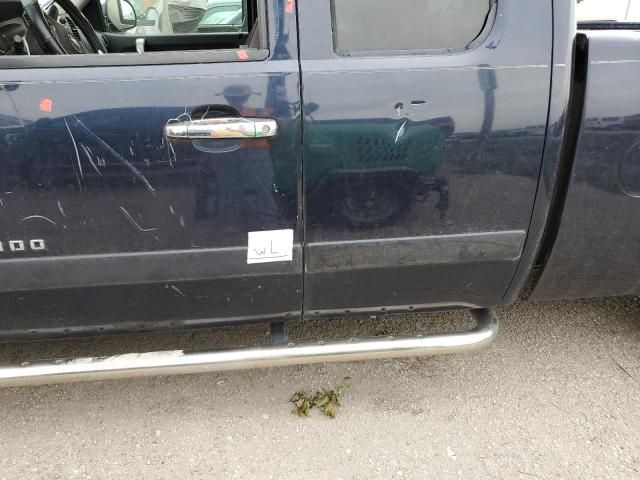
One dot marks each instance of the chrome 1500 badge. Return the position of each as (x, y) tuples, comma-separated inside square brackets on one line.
[(19, 246)]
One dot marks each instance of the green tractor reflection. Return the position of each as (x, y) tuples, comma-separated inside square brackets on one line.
[(372, 173)]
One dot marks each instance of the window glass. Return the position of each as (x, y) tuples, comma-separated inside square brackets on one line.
[(383, 25), (605, 11), (137, 27), (226, 14), (188, 16)]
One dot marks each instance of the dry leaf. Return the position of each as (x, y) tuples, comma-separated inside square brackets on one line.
[(325, 400)]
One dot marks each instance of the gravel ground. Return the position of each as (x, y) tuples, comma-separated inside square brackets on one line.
[(557, 396)]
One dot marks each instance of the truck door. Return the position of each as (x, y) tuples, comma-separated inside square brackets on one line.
[(424, 126), (127, 200)]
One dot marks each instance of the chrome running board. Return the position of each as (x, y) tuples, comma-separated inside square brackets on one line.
[(179, 362)]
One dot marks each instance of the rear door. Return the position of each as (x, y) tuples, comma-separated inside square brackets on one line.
[(109, 223), (423, 135)]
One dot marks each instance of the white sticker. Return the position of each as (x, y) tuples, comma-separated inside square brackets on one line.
[(270, 246)]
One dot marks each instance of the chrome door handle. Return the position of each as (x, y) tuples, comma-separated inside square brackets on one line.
[(222, 128)]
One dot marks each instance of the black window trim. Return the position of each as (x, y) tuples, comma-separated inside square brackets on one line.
[(176, 57)]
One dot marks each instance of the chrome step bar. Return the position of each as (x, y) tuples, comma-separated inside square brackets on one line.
[(180, 362)]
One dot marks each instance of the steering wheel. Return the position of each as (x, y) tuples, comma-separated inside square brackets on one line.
[(58, 39)]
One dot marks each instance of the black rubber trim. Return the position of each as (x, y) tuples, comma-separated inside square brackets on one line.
[(131, 59), (412, 251), (565, 169), (130, 327), (137, 268), (119, 43)]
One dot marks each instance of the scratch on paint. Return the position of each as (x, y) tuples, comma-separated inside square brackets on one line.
[(611, 62), (87, 152), (184, 117), (61, 209), (401, 131), (78, 171), (172, 154), (137, 173), (41, 218), (178, 290), (1, 203), (134, 223)]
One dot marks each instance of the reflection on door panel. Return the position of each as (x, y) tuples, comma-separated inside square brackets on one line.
[(416, 174), (421, 166), (141, 230), (107, 180)]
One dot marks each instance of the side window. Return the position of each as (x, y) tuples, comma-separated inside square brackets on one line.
[(162, 17), (613, 12), (230, 15), (65, 27), (362, 26)]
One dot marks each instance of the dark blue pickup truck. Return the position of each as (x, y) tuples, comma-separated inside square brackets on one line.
[(175, 164)]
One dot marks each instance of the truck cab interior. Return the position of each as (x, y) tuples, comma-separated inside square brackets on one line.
[(72, 27)]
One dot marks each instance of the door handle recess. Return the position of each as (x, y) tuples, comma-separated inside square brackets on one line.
[(222, 128)]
